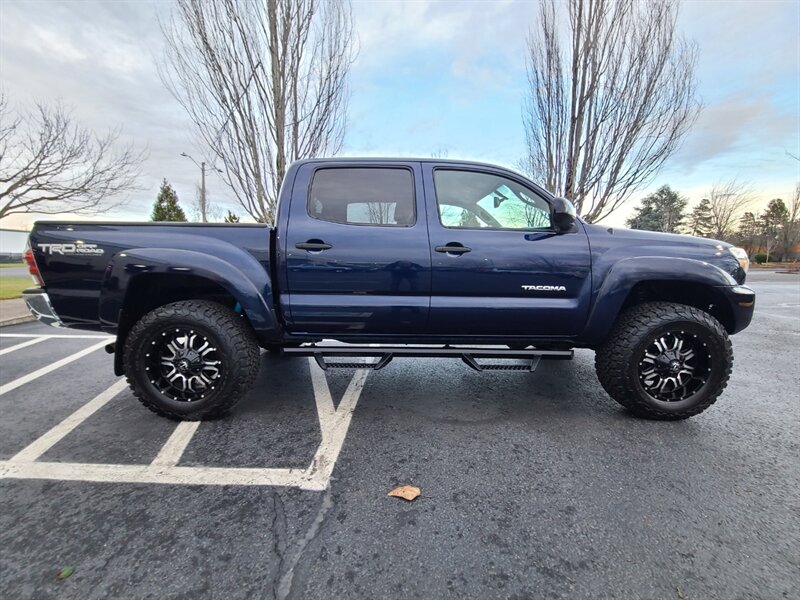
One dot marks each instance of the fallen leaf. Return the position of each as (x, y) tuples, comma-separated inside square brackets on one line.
[(66, 572), (680, 593), (406, 492)]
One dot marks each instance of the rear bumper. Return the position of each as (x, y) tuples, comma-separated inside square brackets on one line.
[(38, 302)]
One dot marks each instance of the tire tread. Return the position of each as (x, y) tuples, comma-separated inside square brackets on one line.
[(219, 319), (613, 356)]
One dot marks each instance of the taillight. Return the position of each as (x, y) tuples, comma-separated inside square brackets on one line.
[(32, 268)]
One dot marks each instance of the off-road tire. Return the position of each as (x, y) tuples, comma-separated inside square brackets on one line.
[(617, 360), (235, 343)]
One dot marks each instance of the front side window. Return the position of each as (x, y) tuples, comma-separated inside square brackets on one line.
[(471, 200), (363, 196)]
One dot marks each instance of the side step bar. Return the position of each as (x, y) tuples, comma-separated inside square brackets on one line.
[(470, 356)]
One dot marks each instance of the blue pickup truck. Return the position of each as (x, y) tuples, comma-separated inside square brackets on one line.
[(387, 258)]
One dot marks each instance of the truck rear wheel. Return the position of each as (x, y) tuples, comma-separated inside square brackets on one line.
[(665, 361), (190, 360)]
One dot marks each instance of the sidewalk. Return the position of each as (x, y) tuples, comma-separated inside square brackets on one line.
[(14, 311)]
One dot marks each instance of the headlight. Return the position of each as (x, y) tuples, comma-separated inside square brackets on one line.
[(740, 254)]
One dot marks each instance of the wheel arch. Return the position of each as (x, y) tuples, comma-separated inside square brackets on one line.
[(138, 281), (638, 280)]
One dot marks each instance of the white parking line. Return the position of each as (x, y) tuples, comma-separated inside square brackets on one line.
[(60, 431), (334, 423), (172, 451), (51, 367), (49, 336), (299, 478), (22, 345)]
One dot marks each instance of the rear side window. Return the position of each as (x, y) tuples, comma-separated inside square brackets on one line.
[(363, 196)]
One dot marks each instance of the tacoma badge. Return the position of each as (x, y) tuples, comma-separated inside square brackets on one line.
[(544, 288)]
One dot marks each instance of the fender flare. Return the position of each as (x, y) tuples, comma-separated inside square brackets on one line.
[(628, 272), (246, 280)]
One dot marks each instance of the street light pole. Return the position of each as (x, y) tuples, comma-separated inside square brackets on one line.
[(203, 192), (203, 205)]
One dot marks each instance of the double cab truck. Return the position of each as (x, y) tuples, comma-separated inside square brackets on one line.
[(387, 258)]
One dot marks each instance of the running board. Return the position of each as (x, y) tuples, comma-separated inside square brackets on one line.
[(385, 354)]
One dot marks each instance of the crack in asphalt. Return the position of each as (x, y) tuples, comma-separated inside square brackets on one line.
[(279, 532), (285, 584)]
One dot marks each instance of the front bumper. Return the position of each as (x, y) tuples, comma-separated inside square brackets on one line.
[(742, 301), (38, 302)]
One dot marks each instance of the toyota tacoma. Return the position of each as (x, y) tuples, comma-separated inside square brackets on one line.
[(388, 258)]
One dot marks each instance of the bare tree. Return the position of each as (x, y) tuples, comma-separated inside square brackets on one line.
[(379, 212), (49, 164), (265, 83), (727, 200), (203, 209), (604, 110), (789, 235)]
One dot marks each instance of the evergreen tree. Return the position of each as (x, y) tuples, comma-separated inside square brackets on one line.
[(772, 222), (700, 219), (749, 229), (775, 216), (231, 217), (663, 210), (166, 207)]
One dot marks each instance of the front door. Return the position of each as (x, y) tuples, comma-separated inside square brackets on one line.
[(498, 266), (357, 250)]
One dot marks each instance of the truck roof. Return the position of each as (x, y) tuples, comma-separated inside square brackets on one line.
[(362, 159)]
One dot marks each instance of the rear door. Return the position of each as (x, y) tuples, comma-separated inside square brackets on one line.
[(498, 266), (357, 249)]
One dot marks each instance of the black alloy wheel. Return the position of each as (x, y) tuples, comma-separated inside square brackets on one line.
[(675, 366), (183, 364), (191, 360), (665, 361)]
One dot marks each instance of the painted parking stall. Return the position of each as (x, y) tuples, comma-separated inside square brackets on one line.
[(165, 468)]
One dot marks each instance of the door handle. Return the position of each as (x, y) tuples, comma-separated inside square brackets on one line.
[(313, 246), (453, 248)]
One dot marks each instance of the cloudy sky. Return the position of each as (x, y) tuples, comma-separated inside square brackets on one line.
[(431, 77)]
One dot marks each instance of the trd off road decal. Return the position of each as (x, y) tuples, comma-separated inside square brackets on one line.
[(69, 249)]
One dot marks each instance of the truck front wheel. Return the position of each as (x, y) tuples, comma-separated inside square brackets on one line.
[(190, 360), (665, 361)]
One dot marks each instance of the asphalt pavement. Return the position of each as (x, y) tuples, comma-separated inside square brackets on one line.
[(533, 485)]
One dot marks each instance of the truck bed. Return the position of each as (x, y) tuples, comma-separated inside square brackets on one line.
[(76, 260)]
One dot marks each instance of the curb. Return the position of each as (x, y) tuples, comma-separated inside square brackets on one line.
[(16, 320)]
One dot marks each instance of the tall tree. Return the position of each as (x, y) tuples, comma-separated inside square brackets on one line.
[(789, 235), (607, 106), (700, 219), (749, 231), (50, 164), (663, 210), (166, 207), (265, 83), (773, 220), (231, 217), (727, 200)]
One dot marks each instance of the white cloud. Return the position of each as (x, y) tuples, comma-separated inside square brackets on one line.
[(51, 44), (741, 122)]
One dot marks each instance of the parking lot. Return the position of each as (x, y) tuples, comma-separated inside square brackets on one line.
[(533, 485)]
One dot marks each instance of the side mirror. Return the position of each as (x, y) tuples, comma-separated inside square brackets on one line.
[(563, 215)]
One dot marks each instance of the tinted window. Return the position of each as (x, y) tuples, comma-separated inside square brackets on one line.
[(363, 196), (471, 200)]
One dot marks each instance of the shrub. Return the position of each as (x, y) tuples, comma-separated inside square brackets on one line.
[(759, 258)]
